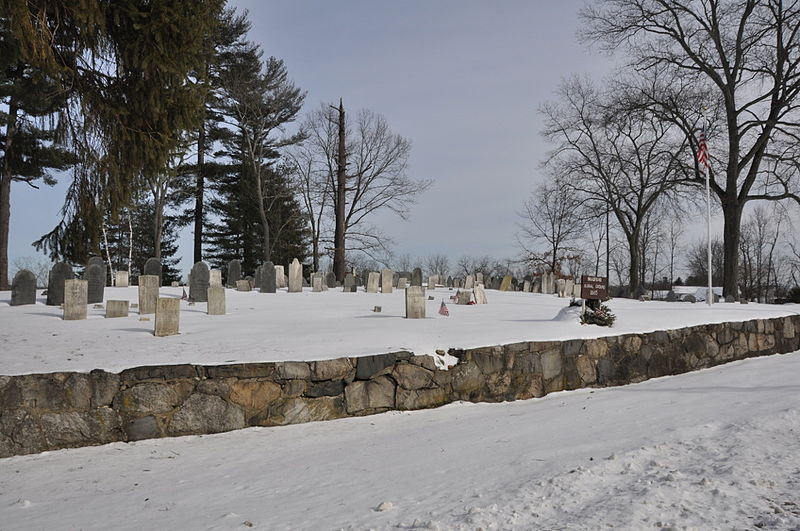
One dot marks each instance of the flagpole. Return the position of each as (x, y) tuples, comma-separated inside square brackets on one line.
[(710, 297)]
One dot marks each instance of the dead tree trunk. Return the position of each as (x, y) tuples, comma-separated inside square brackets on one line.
[(341, 183)]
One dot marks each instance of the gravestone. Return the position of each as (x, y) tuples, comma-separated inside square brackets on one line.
[(526, 286), (690, 297), (372, 282), (243, 285), (561, 286), (280, 277), (258, 277), (576, 290), (449, 282), (153, 267), (234, 272), (55, 283), (479, 278), (505, 284), (569, 289), (402, 282), (548, 283), (122, 279), (432, 281), (199, 282), (215, 277), (416, 277), (96, 260), (95, 275), (463, 297), (349, 283), (536, 285), (148, 294), (387, 280), (415, 302), (480, 294), (469, 283), (317, 281), (268, 278), (216, 300), (330, 279), (23, 288), (295, 277), (250, 280), (76, 299), (168, 312), (116, 309), (671, 297)]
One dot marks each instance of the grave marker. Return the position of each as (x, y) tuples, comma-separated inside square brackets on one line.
[(317, 281), (153, 267), (280, 277), (95, 275), (215, 277), (148, 294), (168, 313), (505, 285), (415, 302), (23, 288), (55, 283), (469, 283), (116, 309), (243, 285), (372, 282), (295, 277), (76, 298), (480, 294), (387, 279), (416, 277), (198, 282), (234, 272), (330, 279), (349, 283), (216, 300), (122, 279)]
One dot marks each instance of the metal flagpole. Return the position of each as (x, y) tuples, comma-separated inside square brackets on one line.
[(710, 297)]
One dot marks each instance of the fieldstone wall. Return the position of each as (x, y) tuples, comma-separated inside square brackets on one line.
[(60, 410)]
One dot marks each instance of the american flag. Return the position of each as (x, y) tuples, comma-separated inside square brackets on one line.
[(443, 310), (702, 148)]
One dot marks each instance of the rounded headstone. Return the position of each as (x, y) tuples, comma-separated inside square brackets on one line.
[(153, 267), (23, 288), (268, 283), (96, 275), (416, 277), (234, 272), (330, 279), (96, 260), (199, 282), (55, 283)]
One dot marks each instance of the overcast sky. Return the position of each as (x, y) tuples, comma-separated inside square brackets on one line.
[(461, 79)]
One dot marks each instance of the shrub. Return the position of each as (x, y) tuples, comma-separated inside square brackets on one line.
[(602, 316), (794, 294)]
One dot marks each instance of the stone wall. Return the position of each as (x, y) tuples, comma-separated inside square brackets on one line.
[(60, 410)]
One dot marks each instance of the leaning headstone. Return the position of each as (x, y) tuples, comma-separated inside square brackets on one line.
[(295, 277), (153, 267), (121, 279), (505, 284), (117, 309), (372, 282), (199, 282), (561, 287), (280, 277), (349, 283), (234, 272), (216, 300), (317, 281), (76, 299), (330, 279), (268, 278), (96, 277), (387, 279), (364, 279), (23, 288), (148, 294), (416, 277), (168, 312), (415, 302), (243, 285), (469, 283), (55, 283), (480, 294), (215, 277)]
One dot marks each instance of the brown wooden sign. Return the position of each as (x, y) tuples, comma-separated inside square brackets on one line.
[(594, 287)]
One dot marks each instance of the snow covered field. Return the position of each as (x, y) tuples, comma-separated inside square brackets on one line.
[(308, 326), (713, 449)]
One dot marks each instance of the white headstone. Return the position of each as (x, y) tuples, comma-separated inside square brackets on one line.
[(76, 299), (215, 277), (280, 277), (480, 294), (469, 283), (387, 277), (415, 302), (121, 279), (295, 277), (372, 282)]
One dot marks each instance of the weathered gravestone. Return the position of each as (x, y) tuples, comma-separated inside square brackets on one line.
[(243, 285), (402, 282), (349, 283), (116, 309), (536, 286), (268, 278), (387, 280), (95, 275), (480, 294), (569, 289), (463, 297), (23, 288), (432, 281), (690, 297), (469, 283), (280, 277), (215, 277), (96, 260), (258, 277), (199, 282), (317, 281), (494, 282), (168, 312), (153, 267), (295, 277), (55, 283), (216, 300), (415, 302), (576, 290), (449, 282), (250, 281), (148, 294), (479, 278), (234, 272), (330, 279), (122, 279), (76, 295), (416, 277), (671, 297), (372, 282), (526, 286), (505, 284), (548, 283), (561, 287)]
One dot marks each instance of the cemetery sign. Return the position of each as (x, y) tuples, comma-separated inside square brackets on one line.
[(594, 287)]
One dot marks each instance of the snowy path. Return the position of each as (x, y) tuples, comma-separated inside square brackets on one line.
[(718, 448)]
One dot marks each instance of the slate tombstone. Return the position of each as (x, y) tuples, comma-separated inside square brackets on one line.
[(153, 267), (496, 281), (95, 275), (60, 273), (295, 277), (330, 279), (268, 280), (234, 272), (75, 299), (349, 283), (23, 288), (317, 281), (416, 277), (199, 282)]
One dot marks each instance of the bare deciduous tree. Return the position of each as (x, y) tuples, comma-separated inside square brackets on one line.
[(438, 264)]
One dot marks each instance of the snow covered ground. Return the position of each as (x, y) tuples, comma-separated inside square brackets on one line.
[(713, 449), (306, 326)]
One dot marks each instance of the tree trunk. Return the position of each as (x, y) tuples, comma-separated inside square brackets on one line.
[(633, 248), (158, 227), (341, 183), (199, 193), (5, 193), (732, 232), (315, 251)]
